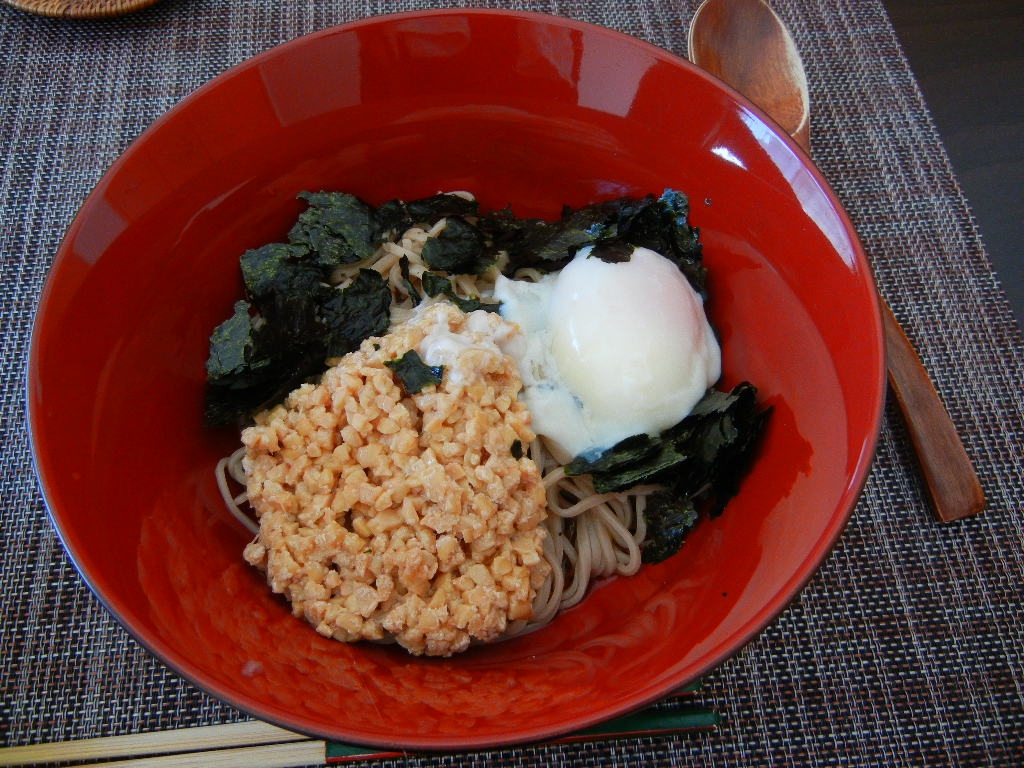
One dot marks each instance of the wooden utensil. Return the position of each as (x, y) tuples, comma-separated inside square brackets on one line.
[(743, 43), (256, 744)]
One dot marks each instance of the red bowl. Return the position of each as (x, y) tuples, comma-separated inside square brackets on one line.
[(522, 109)]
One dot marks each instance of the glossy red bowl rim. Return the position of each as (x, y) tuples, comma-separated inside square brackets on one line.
[(745, 634)]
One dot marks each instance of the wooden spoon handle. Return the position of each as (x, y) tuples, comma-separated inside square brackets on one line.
[(948, 473)]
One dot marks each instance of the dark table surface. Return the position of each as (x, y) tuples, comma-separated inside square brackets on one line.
[(968, 57)]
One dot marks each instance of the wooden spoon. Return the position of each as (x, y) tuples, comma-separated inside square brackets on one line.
[(744, 43)]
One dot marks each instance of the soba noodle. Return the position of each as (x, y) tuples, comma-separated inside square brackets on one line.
[(590, 535)]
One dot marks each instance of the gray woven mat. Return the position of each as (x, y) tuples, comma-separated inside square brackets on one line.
[(906, 649)]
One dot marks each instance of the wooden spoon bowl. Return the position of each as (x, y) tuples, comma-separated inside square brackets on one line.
[(770, 73)]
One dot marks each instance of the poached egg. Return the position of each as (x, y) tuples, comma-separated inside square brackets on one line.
[(609, 350)]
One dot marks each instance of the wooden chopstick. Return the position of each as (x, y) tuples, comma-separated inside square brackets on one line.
[(286, 755), (257, 744), (206, 737), (311, 751)]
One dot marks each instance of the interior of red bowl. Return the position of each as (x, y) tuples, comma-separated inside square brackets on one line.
[(521, 109)]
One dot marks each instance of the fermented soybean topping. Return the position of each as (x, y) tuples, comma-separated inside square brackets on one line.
[(385, 514)]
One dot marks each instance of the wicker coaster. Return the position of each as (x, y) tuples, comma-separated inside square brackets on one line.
[(80, 9)]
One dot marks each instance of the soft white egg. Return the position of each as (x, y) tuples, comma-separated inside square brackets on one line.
[(609, 350)]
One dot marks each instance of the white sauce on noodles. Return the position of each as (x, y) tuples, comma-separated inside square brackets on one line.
[(442, 347)]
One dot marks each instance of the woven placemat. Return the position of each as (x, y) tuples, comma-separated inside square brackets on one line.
[(906, 649)]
